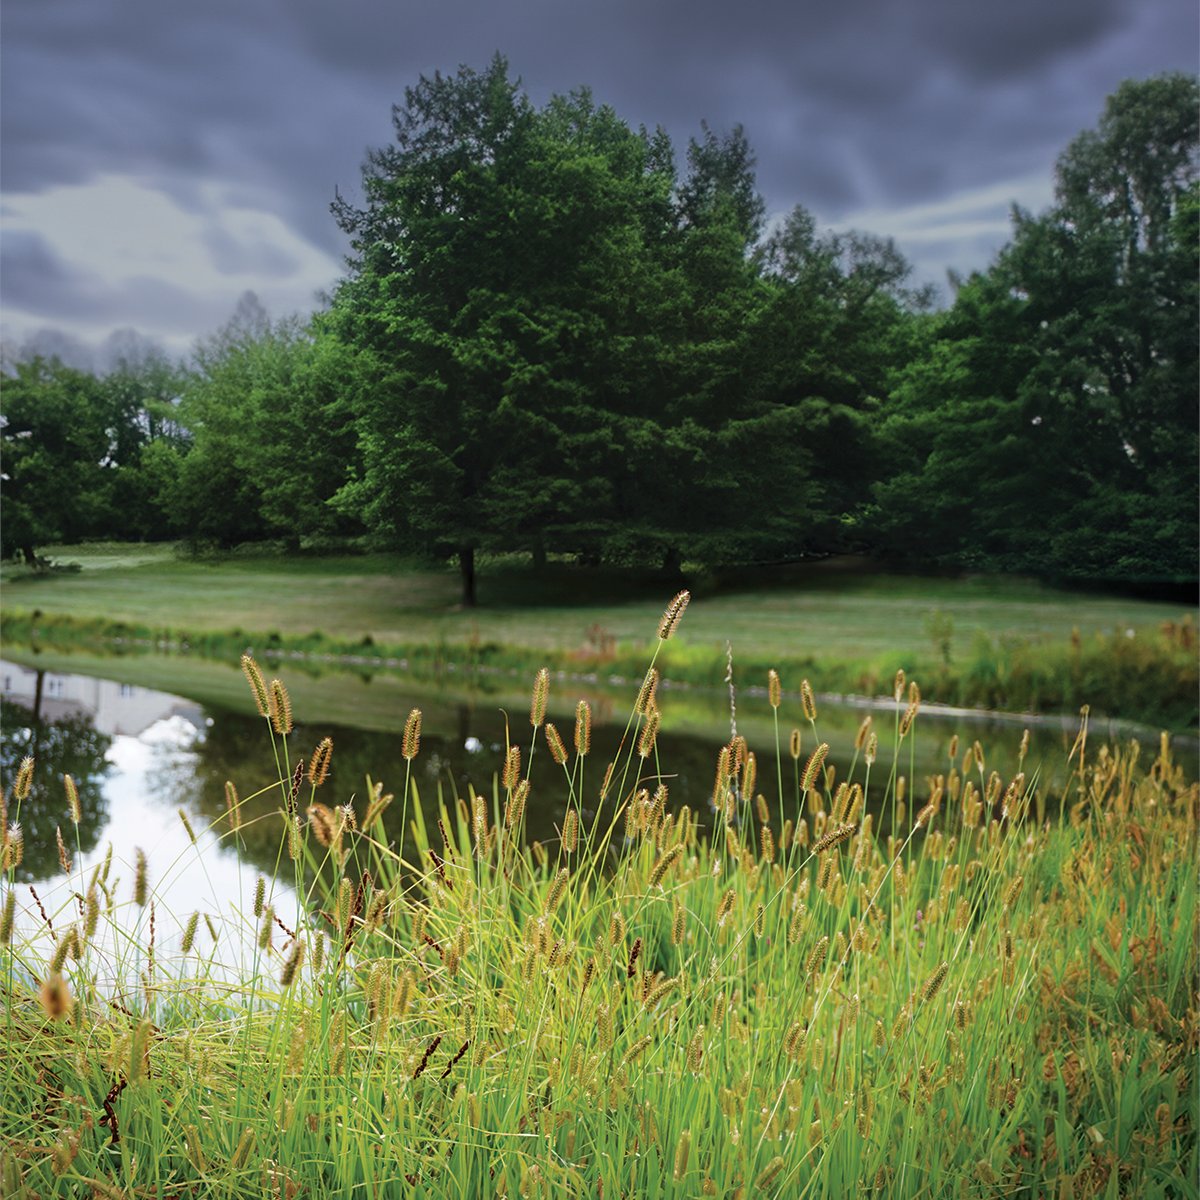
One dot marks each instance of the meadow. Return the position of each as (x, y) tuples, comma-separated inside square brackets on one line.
[(986, 641), (861, 983)]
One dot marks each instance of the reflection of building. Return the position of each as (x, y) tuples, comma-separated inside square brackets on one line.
[(114, 708)]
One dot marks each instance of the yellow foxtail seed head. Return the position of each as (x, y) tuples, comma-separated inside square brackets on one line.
[(8, 917), (835, 837), (411, 743), (24, 779), (808, 702), (682, 1151), (649, 733), (860, 738), (583, 728), (189, 934), (258, 688), (541, 691), (554, 742), (934, 982), (64, 859), (72, 799), (281, 708), (898, 686), (664, 864), (318, 766), (232, 806), (570, 831), (55, 997), (647, 693), (774, 688), (139, 878), (672, 615), (953, 748), (812, 771), (512, 768), (794, 744)]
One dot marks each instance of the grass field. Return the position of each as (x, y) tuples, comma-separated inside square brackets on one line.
[(840, 613), (991, 642), (934, 1001)]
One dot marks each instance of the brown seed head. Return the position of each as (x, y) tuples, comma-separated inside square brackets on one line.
[(812, 771), (512, 768), (649, 733), (64, 859), (318, 766), (411, 743), (583, 728), (558, 752), (647, 694), (541, 692), (72, 799), (794, 744), (281, 708), (258, 688), (55, 997), (774, 688), (139, 878), (898, 686), (674, 611), (808, 702)]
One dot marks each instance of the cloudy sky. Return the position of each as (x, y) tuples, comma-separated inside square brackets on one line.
[(159, 159)]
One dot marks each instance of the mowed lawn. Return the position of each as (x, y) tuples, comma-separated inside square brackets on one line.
[(832, 610)]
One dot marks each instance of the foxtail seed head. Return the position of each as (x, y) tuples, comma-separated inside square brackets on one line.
[(570, 831), (860, 738), (674, 611), (812, 771), (647, 693), (281, 708), (794, 744), (583, 728), (934, 982), (24, 779), (554, 742), (835, 837), (649, 733), (808, 702), (64, 859), (139, 878), (318, 766), (411, 743), (232, 806), (55, 998), (541, 692), (258, 688), (72, 799), (774, 688), (898, 686), (512, 768)]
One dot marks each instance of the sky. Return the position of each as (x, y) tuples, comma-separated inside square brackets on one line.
[(159, 159)]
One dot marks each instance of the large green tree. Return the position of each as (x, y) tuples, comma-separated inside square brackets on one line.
[(1052, 412), (54, 450), (551, 333)]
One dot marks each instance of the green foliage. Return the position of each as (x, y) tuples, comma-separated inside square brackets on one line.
[(1053, 409), (665, 1003), (53, 444)]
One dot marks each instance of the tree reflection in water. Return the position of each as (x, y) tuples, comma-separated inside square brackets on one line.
[(66, 745)]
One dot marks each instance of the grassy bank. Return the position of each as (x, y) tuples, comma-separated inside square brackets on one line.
[(954, 998), (995, 643)]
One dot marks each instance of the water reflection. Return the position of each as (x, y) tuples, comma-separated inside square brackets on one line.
[(144, 754)]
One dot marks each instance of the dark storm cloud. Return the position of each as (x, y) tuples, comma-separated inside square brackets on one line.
[(866, 105), (44, 286)]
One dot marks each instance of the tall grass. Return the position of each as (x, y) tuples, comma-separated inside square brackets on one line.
[(858, 985)]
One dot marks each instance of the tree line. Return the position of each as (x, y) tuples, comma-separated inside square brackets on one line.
[(553, 338)]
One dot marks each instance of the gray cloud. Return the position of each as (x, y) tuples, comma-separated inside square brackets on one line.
[(874, 104)]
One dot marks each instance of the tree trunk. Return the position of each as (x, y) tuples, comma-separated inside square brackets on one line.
[(539, 555), (466, 562)]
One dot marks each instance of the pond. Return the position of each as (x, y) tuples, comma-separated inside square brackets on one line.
[(141, 756)]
